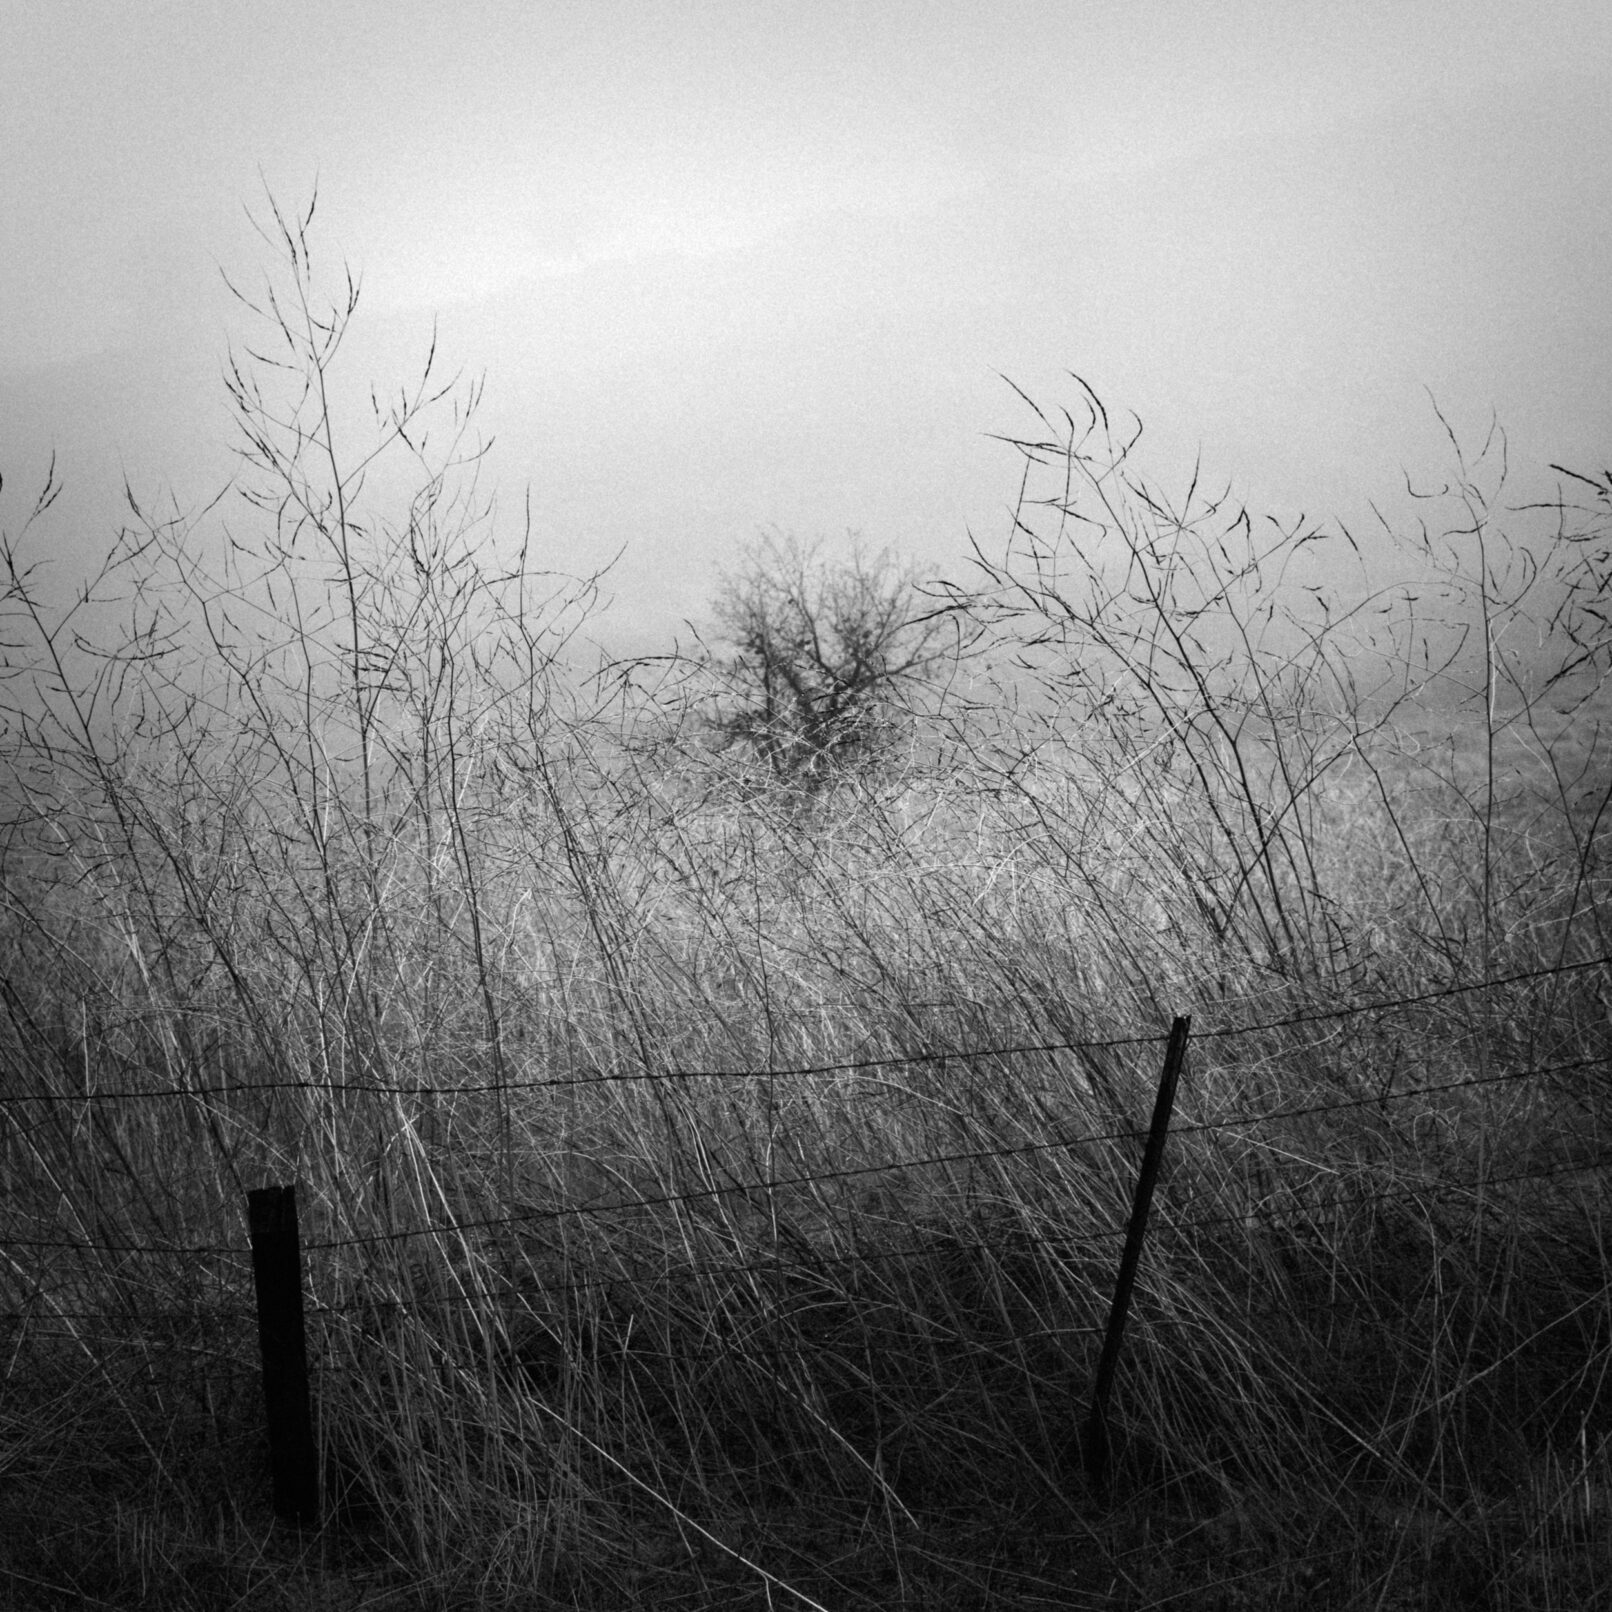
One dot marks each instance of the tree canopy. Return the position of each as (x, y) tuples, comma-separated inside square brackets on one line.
[(824, 652)]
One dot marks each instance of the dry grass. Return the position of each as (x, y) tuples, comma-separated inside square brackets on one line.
[(711, 1195)]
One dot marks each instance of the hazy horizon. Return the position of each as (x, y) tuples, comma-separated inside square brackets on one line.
[(734, 271)]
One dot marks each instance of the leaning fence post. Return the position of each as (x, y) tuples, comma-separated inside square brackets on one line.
[(277, 1273), (1094, 1442)]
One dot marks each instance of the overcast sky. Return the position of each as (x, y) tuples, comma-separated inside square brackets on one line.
[(728, 266)]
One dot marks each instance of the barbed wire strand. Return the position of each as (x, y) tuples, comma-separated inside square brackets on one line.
[(962, 1156), (847, 1066), (799, 1266)]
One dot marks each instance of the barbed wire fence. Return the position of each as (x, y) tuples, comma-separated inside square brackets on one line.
[(12, 1101), (43, 1312)]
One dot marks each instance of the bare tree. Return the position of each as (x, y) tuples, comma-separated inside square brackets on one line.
[(825, 654)]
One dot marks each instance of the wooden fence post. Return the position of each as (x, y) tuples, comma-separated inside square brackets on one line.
[(277, 1273), (1094, 1441)]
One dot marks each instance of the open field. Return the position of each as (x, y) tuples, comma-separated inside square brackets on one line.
[(712, 1188)]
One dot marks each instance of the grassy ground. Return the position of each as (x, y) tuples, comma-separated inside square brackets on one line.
[(712, 1191)]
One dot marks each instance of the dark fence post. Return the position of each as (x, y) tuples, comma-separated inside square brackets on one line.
[(277, 1272), (1094, 1441)]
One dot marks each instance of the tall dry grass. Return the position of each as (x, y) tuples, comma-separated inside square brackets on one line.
[(711, 1194)]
